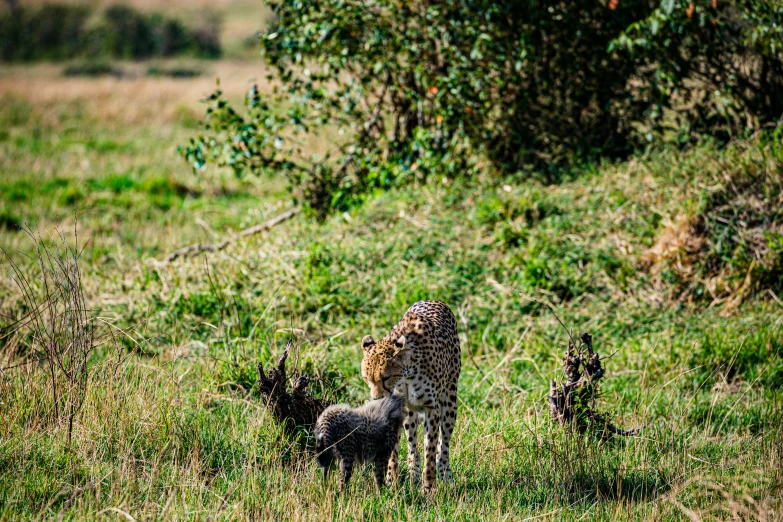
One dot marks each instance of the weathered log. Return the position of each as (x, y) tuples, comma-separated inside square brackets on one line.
[(296, 410), (572, 403)]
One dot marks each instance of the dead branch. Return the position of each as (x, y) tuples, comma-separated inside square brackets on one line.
[(572, 403), (196, 248), (296, 410)]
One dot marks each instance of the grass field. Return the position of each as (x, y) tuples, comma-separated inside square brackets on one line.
[(171, 427)]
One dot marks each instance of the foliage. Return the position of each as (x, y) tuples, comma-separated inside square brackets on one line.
[(60, 32), (407, 89), (714, 66)]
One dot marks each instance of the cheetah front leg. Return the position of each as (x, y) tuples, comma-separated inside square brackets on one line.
[(431, 429), (393, 465), (411, 424)]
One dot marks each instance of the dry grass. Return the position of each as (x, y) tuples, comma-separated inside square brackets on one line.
[(677, 248), (729, 245), (134, 100)]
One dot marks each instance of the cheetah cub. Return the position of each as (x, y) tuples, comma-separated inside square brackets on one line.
[(368, 433), (419, 359)]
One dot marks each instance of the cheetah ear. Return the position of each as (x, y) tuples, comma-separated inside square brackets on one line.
[(399, 345), (367, 342)]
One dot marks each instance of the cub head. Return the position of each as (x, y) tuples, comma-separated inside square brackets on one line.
[(383, 364)]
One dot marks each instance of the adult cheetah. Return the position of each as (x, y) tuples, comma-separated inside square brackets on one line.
[(420, 360)]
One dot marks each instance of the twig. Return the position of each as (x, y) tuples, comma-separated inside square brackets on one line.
[(196, 248), (777, 300)]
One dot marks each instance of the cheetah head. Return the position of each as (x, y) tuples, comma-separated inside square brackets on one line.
[(383, 364)]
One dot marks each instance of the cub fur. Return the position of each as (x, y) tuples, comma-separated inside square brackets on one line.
[(368, 433)]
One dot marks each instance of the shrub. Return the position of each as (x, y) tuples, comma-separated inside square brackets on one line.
[(91, 69), (712, 67), (173, 72), (414, 87), (57, 327)]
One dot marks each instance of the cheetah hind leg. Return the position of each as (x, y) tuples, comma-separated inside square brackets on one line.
[(448, 417), (431, 430)]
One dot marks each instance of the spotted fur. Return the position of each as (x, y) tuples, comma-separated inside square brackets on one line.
[(419, 359), (368, 433)]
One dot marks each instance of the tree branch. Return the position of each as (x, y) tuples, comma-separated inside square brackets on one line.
[(196, 248)]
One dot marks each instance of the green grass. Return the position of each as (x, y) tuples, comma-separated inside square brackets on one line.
[(107, 175), (172, 429)]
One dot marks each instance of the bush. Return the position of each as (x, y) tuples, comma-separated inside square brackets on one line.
[(59, 32), (173, 72), (414, 87), (714, 67), (91, 69), (52, 32)]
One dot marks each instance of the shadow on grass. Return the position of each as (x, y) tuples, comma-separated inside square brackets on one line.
[(625, 486), (633, 486)]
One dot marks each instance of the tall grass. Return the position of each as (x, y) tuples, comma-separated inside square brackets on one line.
[(164, 440), (57, 328)]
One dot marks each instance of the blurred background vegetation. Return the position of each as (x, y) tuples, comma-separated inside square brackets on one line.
[(58, 32)]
